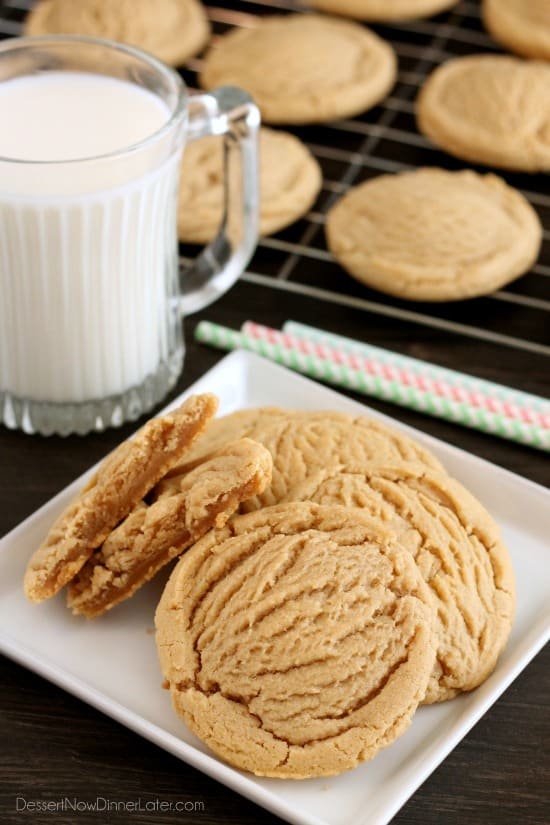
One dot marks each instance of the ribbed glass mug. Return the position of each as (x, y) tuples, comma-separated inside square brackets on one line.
[(91, 291)]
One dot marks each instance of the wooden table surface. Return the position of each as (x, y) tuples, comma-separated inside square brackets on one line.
[(55, 746)]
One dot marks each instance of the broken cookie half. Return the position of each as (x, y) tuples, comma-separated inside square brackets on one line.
[(177, 512), (121, 481)]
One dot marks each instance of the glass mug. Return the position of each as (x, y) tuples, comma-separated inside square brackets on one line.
[(91, 293)]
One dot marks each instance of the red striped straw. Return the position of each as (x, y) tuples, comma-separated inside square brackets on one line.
[(435, 387)]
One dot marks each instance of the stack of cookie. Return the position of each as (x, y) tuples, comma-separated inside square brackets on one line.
[(299, 635), (129, 521), (301, 638)]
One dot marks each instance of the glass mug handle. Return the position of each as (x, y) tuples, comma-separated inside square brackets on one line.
[(230, 112)]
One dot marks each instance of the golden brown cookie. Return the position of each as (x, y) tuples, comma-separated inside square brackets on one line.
[(302, 442), (433, 235), (458, 549), (305, 442), (297, 641), (491, 109), (220, 431), (177, 512), (383, 10), (303, 68), (122, 480), (523, 26), (172, 30), (290, 180)]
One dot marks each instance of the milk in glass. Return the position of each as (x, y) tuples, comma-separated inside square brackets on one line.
[(83, 256)]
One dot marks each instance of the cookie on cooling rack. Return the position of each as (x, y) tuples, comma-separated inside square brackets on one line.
[(176, 513), (522, 27), (298, 641), (303, 68), (433, 235), (490, 109), (122, 480), (172, 30), (458, 549), (290, 180), (381, 10)]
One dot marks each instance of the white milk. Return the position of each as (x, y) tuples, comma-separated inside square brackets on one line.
[(87, 272)]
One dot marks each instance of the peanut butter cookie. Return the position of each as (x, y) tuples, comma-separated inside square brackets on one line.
[(172, 30), (297, 641), (383, 10), (122, 480), (303, 442), (177, 512), (522, 27), (458, 550), (433, 235), (220, 431), (491, 109), (290, 180), (303, 68)]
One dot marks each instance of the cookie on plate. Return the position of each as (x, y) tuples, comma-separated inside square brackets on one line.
[(297, 641), (226, 428), (172, 30), (122, 480), (176, 513), (303, 68), (491, 109), (290, 180), (382, 10), (433, 235), (522, 27), (459, 552), (303, 442)]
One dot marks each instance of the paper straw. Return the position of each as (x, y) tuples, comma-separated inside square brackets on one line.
[(449, 381), (344, 375), (472, 409), (398, 370)]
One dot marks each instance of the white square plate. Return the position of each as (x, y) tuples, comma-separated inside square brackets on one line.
[(112, 663)]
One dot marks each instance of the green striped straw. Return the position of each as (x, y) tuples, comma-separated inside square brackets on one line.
[(341, 374), (419, 367)]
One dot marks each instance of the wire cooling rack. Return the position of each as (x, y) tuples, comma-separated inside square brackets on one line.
[(385, 139)]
